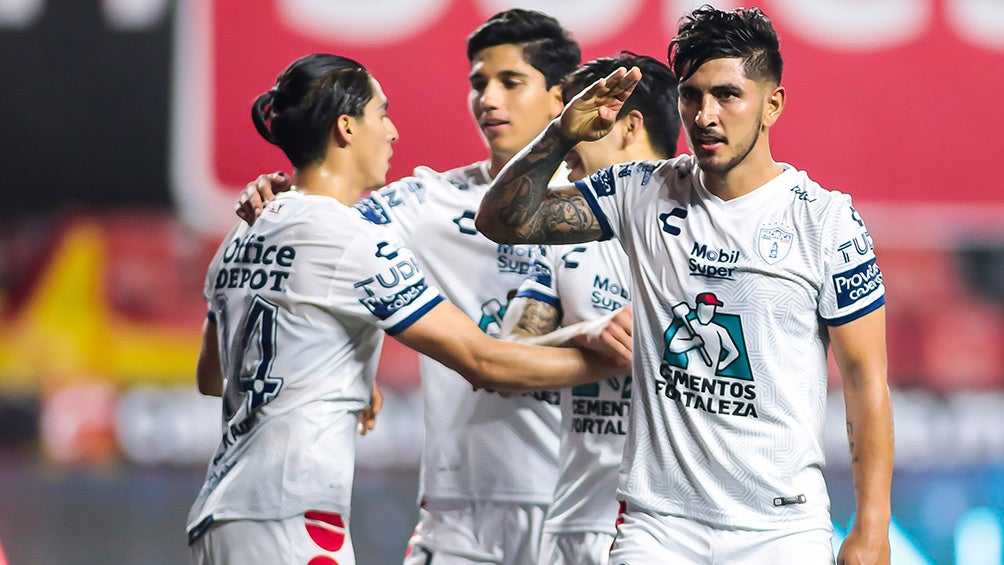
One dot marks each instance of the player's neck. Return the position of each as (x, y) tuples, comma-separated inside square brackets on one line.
[(752, 173), (328, 181)]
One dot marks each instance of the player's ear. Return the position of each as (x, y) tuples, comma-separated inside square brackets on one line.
[(342, 130), (634, 126), (773, 106), (556, 101)]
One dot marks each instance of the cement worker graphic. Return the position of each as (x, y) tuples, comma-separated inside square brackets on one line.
[(700, 338)]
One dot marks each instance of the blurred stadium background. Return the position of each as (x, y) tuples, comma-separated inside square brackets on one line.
[(126, 139)]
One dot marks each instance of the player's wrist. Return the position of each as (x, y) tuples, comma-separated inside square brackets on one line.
[(565, 140)]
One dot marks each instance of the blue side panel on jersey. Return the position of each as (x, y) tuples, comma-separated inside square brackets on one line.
[(855, 315), (539, 297), (597, 211), (407, 322)]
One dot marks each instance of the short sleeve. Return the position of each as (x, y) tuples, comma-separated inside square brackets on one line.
[(380, 279), (608, 191), (852, 283)]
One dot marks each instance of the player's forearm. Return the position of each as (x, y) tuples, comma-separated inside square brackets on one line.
[(870, 437), (509, 208), (518, 366)]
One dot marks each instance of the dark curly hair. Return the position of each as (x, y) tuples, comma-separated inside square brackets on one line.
[(547, 46), (708, 33)]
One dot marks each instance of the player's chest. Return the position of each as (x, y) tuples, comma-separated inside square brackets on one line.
[(703, 247), (591, 280)]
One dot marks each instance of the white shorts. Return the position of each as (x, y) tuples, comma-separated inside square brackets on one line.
[(575, 548), (468, 533), (318, 538), (644, 538)]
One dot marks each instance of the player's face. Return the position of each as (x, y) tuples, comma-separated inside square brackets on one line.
[(373, 134), (590, 156), (722, 113), (509, 99)]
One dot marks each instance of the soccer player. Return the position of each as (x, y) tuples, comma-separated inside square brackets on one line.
[(575, 287), (489, 463), (723, 459), (298, 306)]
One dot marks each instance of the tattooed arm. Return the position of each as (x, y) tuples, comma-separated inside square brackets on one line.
[(519, 207), (860, 352), (538, 323)]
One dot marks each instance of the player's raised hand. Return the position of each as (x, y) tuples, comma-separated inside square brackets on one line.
[(592, 113), (259, 192)]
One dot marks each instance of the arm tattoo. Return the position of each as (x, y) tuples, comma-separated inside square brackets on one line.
[(538, 318), (563, 217), (850, 442), (539, 215), (528, 175)]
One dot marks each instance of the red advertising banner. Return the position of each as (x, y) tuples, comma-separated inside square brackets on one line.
[(893, 101)]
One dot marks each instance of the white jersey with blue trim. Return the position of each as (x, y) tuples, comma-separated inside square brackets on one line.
[(301, 302), (731, 301), (586, 281), (478, 445)]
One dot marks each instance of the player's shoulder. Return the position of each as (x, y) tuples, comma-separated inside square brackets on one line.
[(460, 178), (805, 191), (426, 179), (314, 213)]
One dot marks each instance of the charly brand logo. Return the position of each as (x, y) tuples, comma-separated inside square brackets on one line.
[(705, 365), (774, 241), (668, 227), (465, 223)]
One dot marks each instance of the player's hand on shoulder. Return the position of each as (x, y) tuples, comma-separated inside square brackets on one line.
[(259, 192)]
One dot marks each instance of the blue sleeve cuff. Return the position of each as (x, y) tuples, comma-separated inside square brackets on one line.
[(597, 211), (857, 314)]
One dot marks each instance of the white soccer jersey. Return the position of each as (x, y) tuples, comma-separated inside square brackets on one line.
[(301, 301), (478, 445), (586, 281), (727, 429)]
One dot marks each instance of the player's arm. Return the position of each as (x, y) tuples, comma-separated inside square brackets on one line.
[(538, 323), (208, 374), (447, 335), (860, 351), (519, 207)]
